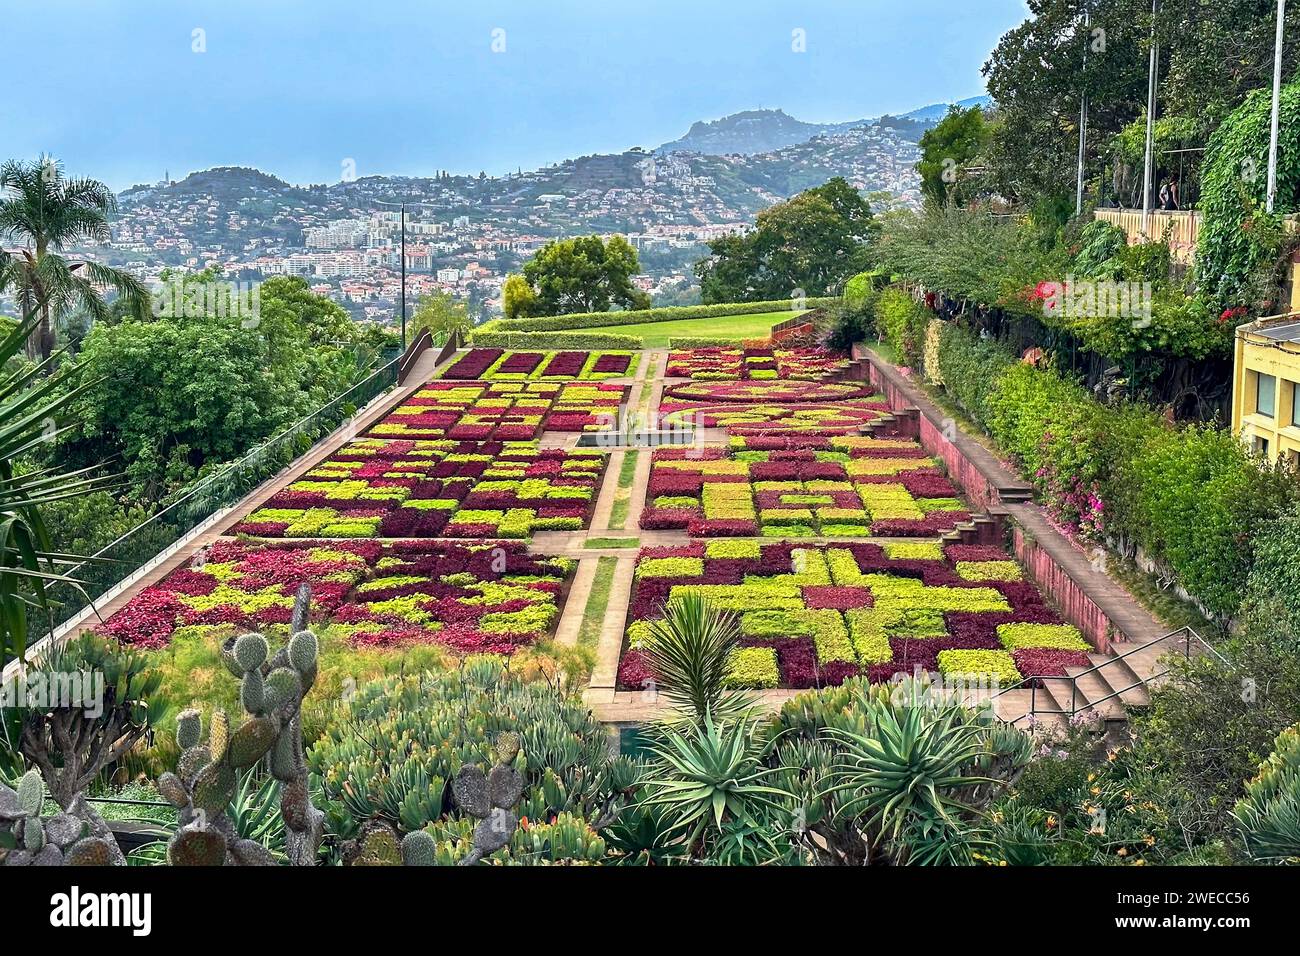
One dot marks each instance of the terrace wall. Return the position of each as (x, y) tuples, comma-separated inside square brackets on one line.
[(983, 479), (1086, 596), (1076, 604)]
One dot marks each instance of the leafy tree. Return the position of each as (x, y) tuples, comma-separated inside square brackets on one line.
[(48, 213), (959, 138), (1037, 75), (1218, 51), (812, 243), (583, 274), (518, 300), (174, 395), (442, 314), (1240, 243)]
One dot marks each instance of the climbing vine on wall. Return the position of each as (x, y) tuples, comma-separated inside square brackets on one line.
[(1240, 243)]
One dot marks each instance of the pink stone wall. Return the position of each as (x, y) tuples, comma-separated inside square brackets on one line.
[(976, 487), (1073, 601)]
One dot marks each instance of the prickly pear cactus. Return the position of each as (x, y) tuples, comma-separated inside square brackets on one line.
[(272, 688), (490, 798), (28, 839)]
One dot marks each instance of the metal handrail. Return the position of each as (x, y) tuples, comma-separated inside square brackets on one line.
[(1033, 683)]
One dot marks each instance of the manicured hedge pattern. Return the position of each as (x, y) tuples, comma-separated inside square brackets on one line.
[(754, 364), (502, 411), (412, 489), (856, 487), (814, 616), (485, 597), (500, 365)]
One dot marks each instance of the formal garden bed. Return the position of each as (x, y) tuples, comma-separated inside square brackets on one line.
[(504, 365), (480, 597), (754, 363), (429, 488), (769, 393), (856, 487), (502, 411), (828, 418), (815, 616)]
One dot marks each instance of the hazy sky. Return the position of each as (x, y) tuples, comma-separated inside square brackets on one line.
[(115, 89)]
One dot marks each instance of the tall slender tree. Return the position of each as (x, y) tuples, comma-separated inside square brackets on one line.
[(46, 213)]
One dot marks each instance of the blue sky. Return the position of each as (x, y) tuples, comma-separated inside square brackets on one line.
[(114, 89)]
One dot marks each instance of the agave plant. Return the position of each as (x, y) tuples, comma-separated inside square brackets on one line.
[(711, 777), (901, 781), (1268, 816), (31, 409), (687, 652)]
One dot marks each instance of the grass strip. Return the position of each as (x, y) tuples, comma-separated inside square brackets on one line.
[(612, 543), (593, 618)]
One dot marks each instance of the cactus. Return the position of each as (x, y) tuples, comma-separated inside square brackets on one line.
[(418, 849), (44, 841), (272, 687), (511, 750), (379, 848), (490, 798)]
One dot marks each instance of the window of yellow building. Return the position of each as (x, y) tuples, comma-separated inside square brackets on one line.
[(1265, 395)]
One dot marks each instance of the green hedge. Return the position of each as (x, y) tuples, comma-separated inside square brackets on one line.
[(591, 320), (703, 342), (901, 321), (1191, 498), (588, 341)]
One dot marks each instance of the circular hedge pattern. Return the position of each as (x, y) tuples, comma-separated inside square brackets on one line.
[(750, 393)]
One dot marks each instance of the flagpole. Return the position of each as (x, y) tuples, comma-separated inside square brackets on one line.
[(1277, 103), (1151, 119)]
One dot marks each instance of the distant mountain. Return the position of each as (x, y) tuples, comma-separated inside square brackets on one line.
[(747, 133), (937, 111), (751, 132)]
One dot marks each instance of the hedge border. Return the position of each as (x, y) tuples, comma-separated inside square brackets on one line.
[(591, 320), (555, 341)]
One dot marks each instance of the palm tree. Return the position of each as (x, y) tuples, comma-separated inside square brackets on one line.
[(31, 406), (688, 651), (46, 213)]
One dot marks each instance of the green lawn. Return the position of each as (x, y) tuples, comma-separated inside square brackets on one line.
[(593, 616), (612, 543), (656, 334)]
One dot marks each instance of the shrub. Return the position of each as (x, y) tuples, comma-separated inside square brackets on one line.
[(1275, 575), (901, 322), (752, 667), (1191, 498)]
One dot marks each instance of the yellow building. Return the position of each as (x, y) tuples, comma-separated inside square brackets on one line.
[(1266, 386)]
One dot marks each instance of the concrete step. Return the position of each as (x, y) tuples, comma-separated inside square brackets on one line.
[(1092, 692), (1120, 677)]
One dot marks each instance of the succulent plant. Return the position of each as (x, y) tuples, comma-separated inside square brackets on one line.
[(272, 687), (28, 839)]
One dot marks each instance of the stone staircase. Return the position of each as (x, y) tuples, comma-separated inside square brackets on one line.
[(1109, 687)]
